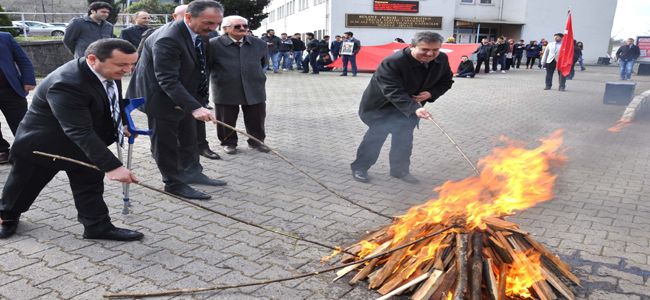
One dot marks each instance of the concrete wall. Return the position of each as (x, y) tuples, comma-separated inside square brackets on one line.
[(46, 56)]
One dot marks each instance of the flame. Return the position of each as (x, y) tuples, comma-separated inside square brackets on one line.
[(512, 178), (524, 272), (450, 295), (620, 125)]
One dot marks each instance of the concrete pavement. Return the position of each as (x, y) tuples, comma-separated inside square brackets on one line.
[(599, 221)]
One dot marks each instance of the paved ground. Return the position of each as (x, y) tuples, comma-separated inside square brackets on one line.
[(599, 220)]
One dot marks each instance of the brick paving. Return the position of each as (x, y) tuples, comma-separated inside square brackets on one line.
[(598, 221)]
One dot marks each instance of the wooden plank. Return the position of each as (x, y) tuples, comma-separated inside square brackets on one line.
[(428, 287), (406, 286), (563, 267), (342, 272), (476, 266), (558, 284), (490, 279), (371, 265), (394, 259)]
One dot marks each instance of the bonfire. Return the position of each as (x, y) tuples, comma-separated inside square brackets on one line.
[(483, 256)]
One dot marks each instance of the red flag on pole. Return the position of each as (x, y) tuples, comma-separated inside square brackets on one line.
[(565, 57)]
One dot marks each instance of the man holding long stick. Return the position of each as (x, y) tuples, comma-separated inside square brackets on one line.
[(76, 112), (392, 103)]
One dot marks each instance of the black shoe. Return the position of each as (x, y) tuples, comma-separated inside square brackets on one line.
[(8, 228), (547, 88), (562, 89), (261, 148), (343, 75), (4, 157), (114, 234), (202, 179), (360, 176), (206, 152), (305, 72), (186, 191), (230, 149), (408, 178)]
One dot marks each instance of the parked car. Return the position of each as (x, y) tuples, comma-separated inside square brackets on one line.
[(40, 28), (59, 24)]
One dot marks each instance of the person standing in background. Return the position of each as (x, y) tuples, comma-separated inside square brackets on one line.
[(335, 47), (81, 32), (16, 80), (627, 55), (134, 33)]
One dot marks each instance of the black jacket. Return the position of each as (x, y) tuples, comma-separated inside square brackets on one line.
[(298, 45), (81, 32), (519, 50), (313, 46), (133, 34), (483, 51), (69, 116), (168, 73), (626, 52), (501, 49), (400, 76), (465, 67)]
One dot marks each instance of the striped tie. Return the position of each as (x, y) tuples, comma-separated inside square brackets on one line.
[(115, 111), (203, 83)]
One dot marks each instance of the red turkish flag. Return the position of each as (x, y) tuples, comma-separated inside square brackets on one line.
[(565, 57)]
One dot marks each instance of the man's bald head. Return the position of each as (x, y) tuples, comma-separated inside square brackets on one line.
[(179, 12)]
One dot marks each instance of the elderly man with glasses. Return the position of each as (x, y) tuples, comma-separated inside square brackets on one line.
[(237, 79)]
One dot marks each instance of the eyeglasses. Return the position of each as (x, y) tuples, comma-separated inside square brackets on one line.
[(239, 26)]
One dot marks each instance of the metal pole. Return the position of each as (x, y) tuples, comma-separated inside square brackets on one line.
[(478, 32), (22, 19)]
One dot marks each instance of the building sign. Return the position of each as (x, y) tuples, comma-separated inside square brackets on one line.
[(396, 6), (393, 21), (644, 46)]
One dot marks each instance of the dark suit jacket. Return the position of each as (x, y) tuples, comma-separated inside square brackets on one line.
[(12, 56), (69, 116), (236, 74), (133, 34), (168, 73), (397, 78)]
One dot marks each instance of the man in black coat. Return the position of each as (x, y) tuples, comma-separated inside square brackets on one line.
[(238, 80), (483, 56), (173, 76), (298, 48), (313, 49), (76, 113), (392, 103), (134, 33)]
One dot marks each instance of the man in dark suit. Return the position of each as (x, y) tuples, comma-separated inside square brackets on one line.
[(16, 80), (237, 79), (392, 103), (76, 112), (134, 33), (173, 76)]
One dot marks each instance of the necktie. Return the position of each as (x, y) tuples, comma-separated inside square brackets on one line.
[(203, 83), (238, 43), (115, 111)]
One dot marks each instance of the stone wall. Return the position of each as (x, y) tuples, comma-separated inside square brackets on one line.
[(46, 56)]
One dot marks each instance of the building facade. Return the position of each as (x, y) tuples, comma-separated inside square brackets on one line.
[(377, 22)]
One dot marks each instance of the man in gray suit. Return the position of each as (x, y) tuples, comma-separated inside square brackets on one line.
[(237, 79), (172, 74)]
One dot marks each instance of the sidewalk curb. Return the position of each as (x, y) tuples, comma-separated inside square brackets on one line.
[(633, 107)]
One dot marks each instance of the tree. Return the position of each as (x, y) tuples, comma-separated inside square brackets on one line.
[(249, 9), (112, 18), (5, 21)]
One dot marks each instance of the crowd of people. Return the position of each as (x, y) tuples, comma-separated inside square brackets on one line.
[(77, 111)]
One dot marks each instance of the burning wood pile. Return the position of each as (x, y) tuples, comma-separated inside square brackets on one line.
[(484, 256)]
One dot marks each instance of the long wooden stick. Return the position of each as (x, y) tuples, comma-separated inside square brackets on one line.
[(225, 287), (477, 265), (144, 185), (324, 186), (461, 260)]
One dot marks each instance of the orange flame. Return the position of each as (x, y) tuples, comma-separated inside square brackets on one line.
[(512, 178), (620, 125), (523, 273)]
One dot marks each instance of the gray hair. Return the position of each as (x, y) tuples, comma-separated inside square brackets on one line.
[(195, 8), (427, 37), (227, 21)]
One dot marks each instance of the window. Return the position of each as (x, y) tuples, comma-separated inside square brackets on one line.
[(272, 16), (303, 4), (467, 1), (316, 2), (486, 1), (280, 12), (291, 8)]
